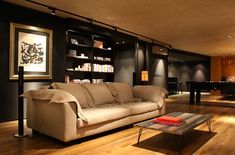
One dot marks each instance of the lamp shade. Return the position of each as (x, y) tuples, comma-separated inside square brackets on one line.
[(144, 76)]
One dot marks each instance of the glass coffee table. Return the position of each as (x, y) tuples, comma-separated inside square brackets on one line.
[(192, 121)]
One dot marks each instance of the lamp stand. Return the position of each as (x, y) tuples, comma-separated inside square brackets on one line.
[(20, 133)]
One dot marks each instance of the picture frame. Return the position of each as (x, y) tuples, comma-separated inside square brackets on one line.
[(30, 47)]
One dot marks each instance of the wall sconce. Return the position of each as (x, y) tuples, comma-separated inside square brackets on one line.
[(144, 76)]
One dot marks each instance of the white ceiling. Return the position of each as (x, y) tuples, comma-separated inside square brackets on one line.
[(198, 26)]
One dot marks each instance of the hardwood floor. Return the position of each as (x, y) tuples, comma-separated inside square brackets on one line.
[(123, 141)]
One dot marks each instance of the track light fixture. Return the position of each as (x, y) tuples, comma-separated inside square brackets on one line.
[(92, 21), (114, 28), (89, 20), (52, 10)]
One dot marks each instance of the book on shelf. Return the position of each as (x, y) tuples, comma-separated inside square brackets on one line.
[(95, 81), (103, 68), (102, 58)]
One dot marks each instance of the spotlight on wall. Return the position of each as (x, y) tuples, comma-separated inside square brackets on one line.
[(52, 11)]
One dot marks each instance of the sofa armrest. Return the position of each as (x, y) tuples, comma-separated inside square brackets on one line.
[(151, 93), (55, 120), (55, 96)]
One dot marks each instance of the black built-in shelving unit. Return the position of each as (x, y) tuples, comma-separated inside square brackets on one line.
[(92, 53)]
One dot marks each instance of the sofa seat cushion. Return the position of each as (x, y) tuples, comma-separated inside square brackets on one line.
[(140, 107), (103, 113)]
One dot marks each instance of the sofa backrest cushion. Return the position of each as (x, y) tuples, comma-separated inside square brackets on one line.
[(122, 92), (151, 93), (76, 90), (99, 93)]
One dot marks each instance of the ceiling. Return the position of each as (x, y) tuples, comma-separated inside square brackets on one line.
[(190, 25)]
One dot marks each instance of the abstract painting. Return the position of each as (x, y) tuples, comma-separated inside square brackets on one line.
[(30, 47)]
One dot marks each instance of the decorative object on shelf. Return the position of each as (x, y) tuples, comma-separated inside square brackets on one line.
[(30, 47), (98, 44), (84, 67), (107, 59), (67, 79), (230, 79), (74, 41), (72, 53), (144, 76), (76, 81), (227, 60), (21, 133), (85, 81)]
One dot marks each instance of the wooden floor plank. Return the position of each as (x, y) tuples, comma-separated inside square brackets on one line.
[(123, 141)]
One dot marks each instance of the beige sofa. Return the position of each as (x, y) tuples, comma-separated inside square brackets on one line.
[(71, 111)]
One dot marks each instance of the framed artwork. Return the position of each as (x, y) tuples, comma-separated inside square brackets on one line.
[(30, 47)]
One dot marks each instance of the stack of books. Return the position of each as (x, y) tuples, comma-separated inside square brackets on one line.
[(169, 120)]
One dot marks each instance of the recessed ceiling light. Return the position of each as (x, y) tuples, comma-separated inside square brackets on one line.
[(228, 36), (123, 42)]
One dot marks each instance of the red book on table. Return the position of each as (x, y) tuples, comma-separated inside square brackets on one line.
[(169, 119), (169, 123)]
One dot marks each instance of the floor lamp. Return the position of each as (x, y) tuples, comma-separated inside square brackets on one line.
[(20, 133)]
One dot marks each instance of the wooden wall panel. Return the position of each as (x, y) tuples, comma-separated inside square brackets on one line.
[(216, 74)]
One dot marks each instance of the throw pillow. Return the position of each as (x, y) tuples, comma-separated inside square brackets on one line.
[(76, 90), (99, 93), (122, 92)]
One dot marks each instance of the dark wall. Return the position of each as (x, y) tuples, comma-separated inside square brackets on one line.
[(157, 67), (11, 13), (158, 71), (140, 55), (189, 71), (124, 63)]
